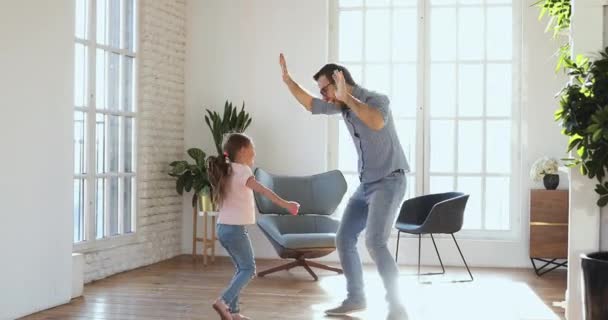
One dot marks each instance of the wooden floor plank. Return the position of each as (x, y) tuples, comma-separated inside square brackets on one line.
[(182, 290)]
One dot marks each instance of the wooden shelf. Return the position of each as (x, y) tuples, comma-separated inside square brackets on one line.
[(549, 224)]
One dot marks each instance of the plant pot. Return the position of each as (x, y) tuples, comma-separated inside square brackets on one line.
[(205, 203), (595, 285), (551, 181)]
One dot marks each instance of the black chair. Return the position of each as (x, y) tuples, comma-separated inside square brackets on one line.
[(433, 214)]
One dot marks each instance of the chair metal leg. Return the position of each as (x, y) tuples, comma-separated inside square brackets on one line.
[(397, 250), (419, 249), (463, 260), (438, 256)]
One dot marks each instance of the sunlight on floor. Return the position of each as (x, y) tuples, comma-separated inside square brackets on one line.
[(490, 298)]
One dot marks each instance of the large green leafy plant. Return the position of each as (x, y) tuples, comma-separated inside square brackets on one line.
[(583, 115), (191, 176), (232, 121)]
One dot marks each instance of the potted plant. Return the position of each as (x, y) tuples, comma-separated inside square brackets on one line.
[(584, 118), (193, 177), (232, 121), (546, 169)]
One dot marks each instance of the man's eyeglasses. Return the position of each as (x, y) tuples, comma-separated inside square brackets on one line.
[(324, 90)]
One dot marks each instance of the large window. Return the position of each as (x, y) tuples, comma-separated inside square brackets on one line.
[(448, 67), (104, 118)]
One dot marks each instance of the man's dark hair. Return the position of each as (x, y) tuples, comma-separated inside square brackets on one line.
[(328, 71)]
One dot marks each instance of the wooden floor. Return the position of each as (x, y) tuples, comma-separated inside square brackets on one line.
[(181, 289)]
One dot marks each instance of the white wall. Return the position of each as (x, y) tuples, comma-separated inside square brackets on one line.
[(232, 52), (36, 59)]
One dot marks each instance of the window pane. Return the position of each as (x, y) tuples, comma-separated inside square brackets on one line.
[(443, 34), (405, 90), (470, 33), (405, 2), (410, 190), (113, 142), (127, 84), (101, 77), (78, 210), (406, 131), (108, 23), (442, 2), (498, 1), (113, 205), (469, 146), (114, 23), (356, 71), (470, 90), (472, 214), (377, 3), (443, 90), (499, 92), (347, 154), (102, 22), (128, 144), (100, 142), (377, 35), (377, 78), (350, 36), (440, 184), (442, 146), (82, 15), (498, 146), (499, 33), (405, 35), (497, 203), (80, 75), (350, 3), (127, 203), (130, 25), (79, 142), (470, 1), (113, 84), (100, 209)]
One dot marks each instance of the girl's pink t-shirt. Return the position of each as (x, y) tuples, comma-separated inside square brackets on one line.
[(238, 205)]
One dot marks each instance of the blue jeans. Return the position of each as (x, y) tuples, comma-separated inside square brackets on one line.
[(235, 239), (373, 206)]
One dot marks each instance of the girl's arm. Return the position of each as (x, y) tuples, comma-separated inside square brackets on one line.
[(291, 206)]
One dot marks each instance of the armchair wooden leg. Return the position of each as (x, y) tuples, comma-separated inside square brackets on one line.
[(286, 266), (324, 267), (305, 265)]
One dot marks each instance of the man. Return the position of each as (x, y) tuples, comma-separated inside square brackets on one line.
[(382, 167)]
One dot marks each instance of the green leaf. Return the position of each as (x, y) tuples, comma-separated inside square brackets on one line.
[(596, 135), (179, 185), (198, 155), (602, 201)]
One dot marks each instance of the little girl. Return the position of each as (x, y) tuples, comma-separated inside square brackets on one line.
[(233, 186)]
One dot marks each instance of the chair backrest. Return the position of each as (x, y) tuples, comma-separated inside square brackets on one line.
[(317, 194), (436, 213)]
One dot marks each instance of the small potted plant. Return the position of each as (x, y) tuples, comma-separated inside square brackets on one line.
[(546, 169), (193, 177)]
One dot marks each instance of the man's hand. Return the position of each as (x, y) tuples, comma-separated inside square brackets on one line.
[(342, 93), (286, 76)]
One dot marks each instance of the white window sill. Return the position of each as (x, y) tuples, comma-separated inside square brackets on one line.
[(105, 243)]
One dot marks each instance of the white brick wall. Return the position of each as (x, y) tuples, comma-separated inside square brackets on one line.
[(161, 140)]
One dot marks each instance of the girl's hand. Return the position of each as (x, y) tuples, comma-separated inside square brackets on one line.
[(292, 207)]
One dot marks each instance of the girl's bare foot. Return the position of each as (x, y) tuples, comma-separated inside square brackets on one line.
[(222, 309)]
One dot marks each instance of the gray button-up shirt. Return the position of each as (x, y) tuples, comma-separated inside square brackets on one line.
[(380, 152)]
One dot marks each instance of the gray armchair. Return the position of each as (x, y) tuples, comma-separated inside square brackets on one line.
[(312, 233)]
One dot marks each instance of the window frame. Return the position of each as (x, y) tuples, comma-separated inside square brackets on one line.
[(90, 242), (423, 118)]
